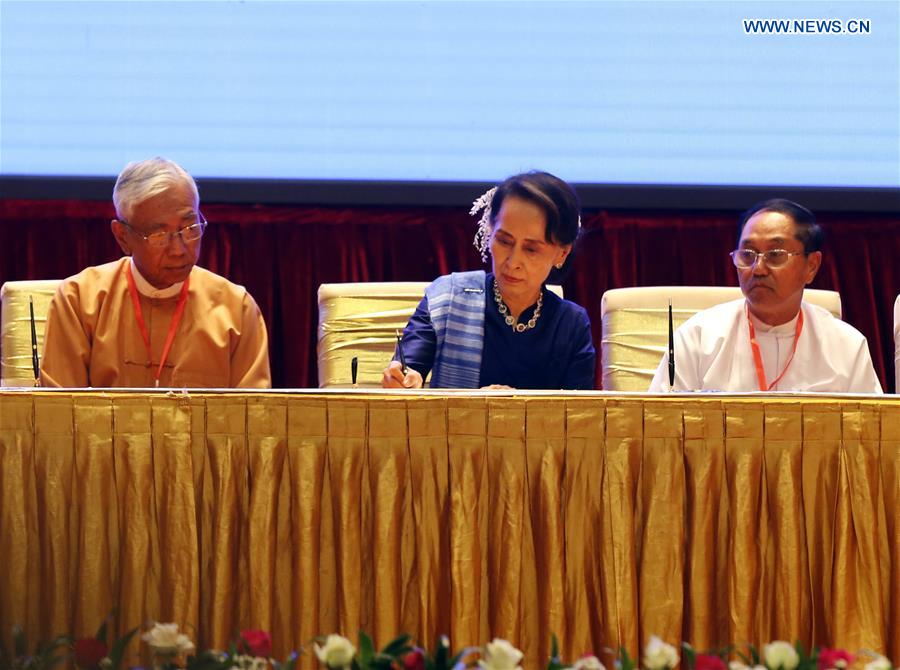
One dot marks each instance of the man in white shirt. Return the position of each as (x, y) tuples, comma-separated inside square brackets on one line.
[(771, 340)]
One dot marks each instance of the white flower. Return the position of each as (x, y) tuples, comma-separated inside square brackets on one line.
[(164, 639), (218, 656), (588, 663), (501, 655), (658, 655), (482, 201), (737, 665), (880, 663), (337, 652), (780, 654), (483, 234)]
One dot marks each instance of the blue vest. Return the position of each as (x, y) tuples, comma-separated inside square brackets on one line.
[(456, 303)]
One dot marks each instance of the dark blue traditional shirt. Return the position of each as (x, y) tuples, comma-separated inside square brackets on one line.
[(556, 354)]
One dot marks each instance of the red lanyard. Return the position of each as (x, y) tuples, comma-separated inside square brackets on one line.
[(173, 327), (757, 357)]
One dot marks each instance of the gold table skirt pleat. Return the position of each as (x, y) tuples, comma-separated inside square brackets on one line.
[(603, 519)]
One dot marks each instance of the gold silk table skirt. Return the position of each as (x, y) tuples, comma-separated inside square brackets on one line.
[(602, 518)]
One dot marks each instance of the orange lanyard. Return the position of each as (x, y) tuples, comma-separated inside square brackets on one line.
[(757, 357), (173, 327)]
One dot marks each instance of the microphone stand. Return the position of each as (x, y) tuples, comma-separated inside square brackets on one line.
[(671, 349), (35, 362)]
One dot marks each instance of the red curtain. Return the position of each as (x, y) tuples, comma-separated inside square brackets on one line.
[(282, 254)]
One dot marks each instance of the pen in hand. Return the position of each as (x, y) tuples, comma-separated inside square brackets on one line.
[(400, 354)]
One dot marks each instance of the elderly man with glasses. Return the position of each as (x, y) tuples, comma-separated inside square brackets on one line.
[(771, 340), (153, 318)]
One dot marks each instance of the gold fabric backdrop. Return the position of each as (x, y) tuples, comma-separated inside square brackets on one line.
[(603, 519)]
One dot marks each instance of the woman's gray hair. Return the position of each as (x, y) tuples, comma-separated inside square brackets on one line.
[(144, 179)]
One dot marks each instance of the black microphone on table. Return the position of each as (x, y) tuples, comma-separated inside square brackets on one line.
[(354, 368), (35, 362), (671, 348)]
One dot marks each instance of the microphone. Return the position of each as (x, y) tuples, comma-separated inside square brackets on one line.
[(354, 368), (671, 349), (35, 362)]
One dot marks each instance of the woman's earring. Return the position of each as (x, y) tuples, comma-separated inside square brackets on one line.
[(559, 266)]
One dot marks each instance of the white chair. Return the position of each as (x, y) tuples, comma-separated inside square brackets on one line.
[(635, 324), (897, 345), (15, 327), (360, 320)]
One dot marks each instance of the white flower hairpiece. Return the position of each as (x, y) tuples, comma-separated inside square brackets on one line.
[(483, 204)]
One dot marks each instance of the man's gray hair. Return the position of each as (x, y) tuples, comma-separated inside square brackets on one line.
[(141, 180)]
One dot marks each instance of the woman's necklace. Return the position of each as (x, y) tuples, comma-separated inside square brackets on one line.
[(510, 319)]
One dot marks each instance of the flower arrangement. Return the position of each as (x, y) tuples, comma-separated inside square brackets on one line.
[(171, 649)]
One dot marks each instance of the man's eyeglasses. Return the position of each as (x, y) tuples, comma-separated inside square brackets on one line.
[(164, 237), (774, 258)]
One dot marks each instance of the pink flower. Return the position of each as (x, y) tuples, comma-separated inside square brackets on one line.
[(256, 643), (829, 659), (414, 660), (708, 662), (88, 652)]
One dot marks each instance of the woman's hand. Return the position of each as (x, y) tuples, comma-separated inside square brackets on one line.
[(393, 377), (498, 387)]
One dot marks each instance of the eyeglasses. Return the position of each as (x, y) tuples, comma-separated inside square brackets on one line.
[(164, 237), (774, 258)]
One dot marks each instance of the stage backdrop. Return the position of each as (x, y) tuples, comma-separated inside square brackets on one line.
[(610, 92), (282, 254)]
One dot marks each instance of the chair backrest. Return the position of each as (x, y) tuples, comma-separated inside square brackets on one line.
[(636, 326), (15, 327), (361, 320), (897, 345)]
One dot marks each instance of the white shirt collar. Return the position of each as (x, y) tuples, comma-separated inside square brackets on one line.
[(789, 328), (147, 289)]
